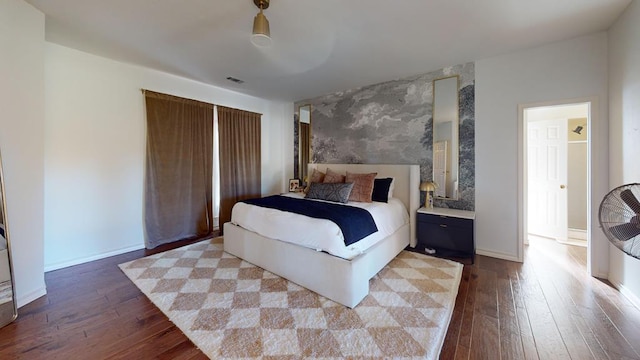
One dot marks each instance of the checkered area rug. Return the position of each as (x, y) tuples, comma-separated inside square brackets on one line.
[(230, 308)]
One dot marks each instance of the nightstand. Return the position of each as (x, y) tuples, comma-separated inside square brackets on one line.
[(446, 232)]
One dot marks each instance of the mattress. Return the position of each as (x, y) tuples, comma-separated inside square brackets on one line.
[(320, 234)]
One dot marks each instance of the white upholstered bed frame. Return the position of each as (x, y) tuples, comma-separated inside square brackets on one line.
[(343, 281)]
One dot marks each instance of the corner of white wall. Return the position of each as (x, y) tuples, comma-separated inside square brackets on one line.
[(22, 142), (570, 69), (94, 160), (623, 274), (624, 131)]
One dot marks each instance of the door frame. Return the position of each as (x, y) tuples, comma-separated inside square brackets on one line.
[(523, 172)]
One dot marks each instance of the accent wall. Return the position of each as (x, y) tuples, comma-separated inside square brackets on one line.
[(391, 123)]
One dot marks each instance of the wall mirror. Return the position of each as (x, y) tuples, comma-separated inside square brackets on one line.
[(8, 308), (304, 141), (445, 137)]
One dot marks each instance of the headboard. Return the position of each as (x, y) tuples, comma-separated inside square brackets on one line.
[(406, 183)]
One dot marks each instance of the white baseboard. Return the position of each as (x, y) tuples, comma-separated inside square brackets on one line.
[(578, 234), (574, 242), (497, 255), (627, 293), (78, 261), (25, 299), (600, 275)]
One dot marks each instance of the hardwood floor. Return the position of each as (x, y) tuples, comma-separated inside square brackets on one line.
[(546, 308)]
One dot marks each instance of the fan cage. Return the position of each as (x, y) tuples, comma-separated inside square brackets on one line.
[(619, 222)]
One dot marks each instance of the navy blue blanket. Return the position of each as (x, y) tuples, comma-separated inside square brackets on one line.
[(355, 223)]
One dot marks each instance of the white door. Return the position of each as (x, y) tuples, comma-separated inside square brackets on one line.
[(440, 167), (547, 178)]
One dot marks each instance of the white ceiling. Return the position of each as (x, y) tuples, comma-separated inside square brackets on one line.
[(319, 46)]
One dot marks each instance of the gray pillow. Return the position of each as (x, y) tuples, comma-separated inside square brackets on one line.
[(337, 192)]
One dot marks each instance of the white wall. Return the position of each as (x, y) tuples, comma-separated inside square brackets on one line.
[(22, 139), (571, 69), (95, 148), (624, 131)]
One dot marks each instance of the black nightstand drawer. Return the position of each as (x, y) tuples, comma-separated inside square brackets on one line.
[(445, 237), (445, 220), (446, 232)]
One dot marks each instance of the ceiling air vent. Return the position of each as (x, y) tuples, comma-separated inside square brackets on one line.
[(237, 81)]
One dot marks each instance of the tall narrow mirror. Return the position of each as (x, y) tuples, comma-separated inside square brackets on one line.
[(445, 137), (8, 309), (304, 142)]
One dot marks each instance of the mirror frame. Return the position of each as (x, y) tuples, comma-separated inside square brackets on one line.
[(302, 165), (3, 203), (455, 133)]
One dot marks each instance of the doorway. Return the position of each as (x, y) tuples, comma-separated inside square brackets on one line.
[(556, 172)]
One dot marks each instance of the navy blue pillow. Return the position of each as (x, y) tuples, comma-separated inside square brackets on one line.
[(381, 189)]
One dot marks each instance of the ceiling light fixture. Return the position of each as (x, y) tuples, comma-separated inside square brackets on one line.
[(261, 36)]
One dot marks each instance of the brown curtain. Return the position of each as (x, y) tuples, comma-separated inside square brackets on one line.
[(239, 138), (178, 169), (304, 149)]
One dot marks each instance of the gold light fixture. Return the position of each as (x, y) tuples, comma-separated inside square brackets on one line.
[(428, 187), (261, 36)]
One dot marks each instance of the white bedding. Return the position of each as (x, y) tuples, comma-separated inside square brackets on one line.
[(320, 234)]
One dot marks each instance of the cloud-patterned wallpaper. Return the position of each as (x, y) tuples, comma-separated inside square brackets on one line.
[(391, 123)]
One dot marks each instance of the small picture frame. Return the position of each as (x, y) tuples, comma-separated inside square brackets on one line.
[(294, 185)]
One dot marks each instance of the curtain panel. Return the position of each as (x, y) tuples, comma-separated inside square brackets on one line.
[(178, 176), (240, 161), (304, 146)]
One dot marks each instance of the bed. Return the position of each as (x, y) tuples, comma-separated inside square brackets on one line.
[(345, 281)]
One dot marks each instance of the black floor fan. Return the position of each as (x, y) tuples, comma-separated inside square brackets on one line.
[(619, 217)]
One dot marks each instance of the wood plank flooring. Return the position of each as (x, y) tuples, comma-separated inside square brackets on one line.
[(546, 308)]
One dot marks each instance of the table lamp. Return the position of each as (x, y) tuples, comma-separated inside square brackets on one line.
[(428, 187)]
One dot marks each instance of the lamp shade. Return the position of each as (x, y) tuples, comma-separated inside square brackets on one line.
[(428, 186), (261, 36)]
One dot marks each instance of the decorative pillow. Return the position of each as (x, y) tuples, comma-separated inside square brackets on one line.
[(316, 176), (381, 189), (362, 186), (333, 177), (337, 192)]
